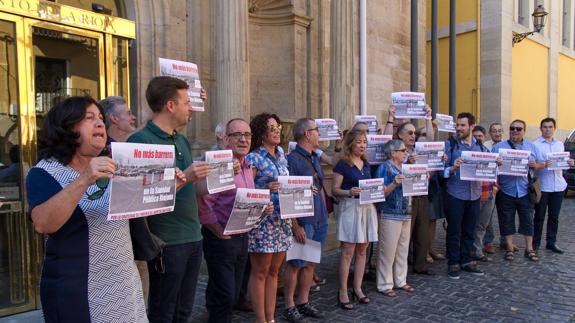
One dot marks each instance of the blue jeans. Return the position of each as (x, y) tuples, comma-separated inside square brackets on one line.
[(315, 232), (173, 285), (461, 218), (226, 262), (550, 203)]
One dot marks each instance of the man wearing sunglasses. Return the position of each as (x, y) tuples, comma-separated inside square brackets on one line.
[(174, 273), (513, 196), (553, 187)]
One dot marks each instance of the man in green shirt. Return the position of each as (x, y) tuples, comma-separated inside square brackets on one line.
[(174, 274)]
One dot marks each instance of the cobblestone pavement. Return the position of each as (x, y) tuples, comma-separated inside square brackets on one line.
[(518, 291)]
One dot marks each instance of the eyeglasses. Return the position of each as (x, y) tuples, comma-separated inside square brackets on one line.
[(410, 132), (275, 128), (401, 150), (313, 129), (102, 184), (516, 129), (238, 135)]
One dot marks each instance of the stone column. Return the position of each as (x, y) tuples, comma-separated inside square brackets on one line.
[(343, 62), (231, 68)]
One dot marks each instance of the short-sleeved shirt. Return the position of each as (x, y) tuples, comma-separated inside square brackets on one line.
[(299, 167), (352, 174), (182, 225), (552, 180), (516, 186)]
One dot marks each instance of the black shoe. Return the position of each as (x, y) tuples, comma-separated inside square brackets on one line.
[(454, 272), (426, 272), (472, 269), (292, 315), (308, 310), (555, 249)]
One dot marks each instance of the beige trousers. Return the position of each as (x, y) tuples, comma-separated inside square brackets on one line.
[(392, 253)]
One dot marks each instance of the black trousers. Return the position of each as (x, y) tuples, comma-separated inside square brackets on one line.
[(226, 262), (420, 231), (550, 203)]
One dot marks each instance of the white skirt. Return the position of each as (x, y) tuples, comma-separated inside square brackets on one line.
[(356, 223)]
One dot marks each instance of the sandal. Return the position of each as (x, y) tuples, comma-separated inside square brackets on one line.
[(531, 255), (362, 300), (407, 288), (344, 305), (509, 255), (483, 258), (389, 293)]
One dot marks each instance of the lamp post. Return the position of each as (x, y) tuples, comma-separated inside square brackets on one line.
[(539, 17)]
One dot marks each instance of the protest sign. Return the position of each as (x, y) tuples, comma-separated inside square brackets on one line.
[(221, 177), (370, 121), (310, 251), (144, 182), (327, 129), (559, 160), (445, 123), (515, 162), (188, 72), (430, 153), (478, 166), (291, 146), (371, 191), (248, 210), (416, 179), (296, 196), (409, 105), (375, 144)]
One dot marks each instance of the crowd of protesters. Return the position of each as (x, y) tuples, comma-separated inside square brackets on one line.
[(89, 273)]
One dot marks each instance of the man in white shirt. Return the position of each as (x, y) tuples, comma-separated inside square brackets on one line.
[(552, 188)]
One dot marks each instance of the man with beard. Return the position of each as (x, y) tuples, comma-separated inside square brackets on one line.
[(462, 200)]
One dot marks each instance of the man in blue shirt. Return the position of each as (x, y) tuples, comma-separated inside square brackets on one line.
[(513, 195), (552, 187), (303, 161), (462, 200)]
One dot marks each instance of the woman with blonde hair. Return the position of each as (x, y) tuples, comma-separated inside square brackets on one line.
[(357, 224)]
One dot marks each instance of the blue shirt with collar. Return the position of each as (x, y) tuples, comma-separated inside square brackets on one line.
[(551, 180), (463, 190), (516, 186), (298, 167)]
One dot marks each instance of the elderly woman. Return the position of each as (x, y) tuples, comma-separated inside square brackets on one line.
[(394, 223), (267, 243), (89, 273), (357, 224)]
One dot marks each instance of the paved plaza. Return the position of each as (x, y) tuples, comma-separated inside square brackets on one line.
[(518, 291)]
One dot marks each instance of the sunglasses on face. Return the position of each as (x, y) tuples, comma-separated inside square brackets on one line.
[(410, 133), (275, 128), (238, 135), (401, 150), (518, 129), (102, 184)]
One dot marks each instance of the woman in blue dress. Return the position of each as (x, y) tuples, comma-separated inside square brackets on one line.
[(269, 241), (89, 274)]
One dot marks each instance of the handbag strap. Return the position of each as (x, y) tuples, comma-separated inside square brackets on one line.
[(530, 178), (310, 165)]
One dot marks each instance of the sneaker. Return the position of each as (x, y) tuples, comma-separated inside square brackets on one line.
[(472, 269), (292, 315), (454, 272), (308, 310)]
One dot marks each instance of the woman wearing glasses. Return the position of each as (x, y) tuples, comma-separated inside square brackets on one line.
[(268, 242), (394, 223), (89, 273), (357, 224)]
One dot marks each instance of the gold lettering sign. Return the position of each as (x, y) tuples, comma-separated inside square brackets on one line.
[(70, 16)]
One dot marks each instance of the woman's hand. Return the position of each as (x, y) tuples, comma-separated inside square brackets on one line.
[(398, 179), (274, 186), (354, 191), (298, 232), (99, 167), (314, 190)]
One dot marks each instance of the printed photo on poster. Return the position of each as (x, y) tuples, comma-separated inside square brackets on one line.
[(327, 129), (409, 105), (515, 162), (371, 191), (248, 210), (296, 196), (559, 160), (188, 72), (478, 166), (370, 121), (416, 181), (144, 183), (221, 176), (431, 154), (375, 144)]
